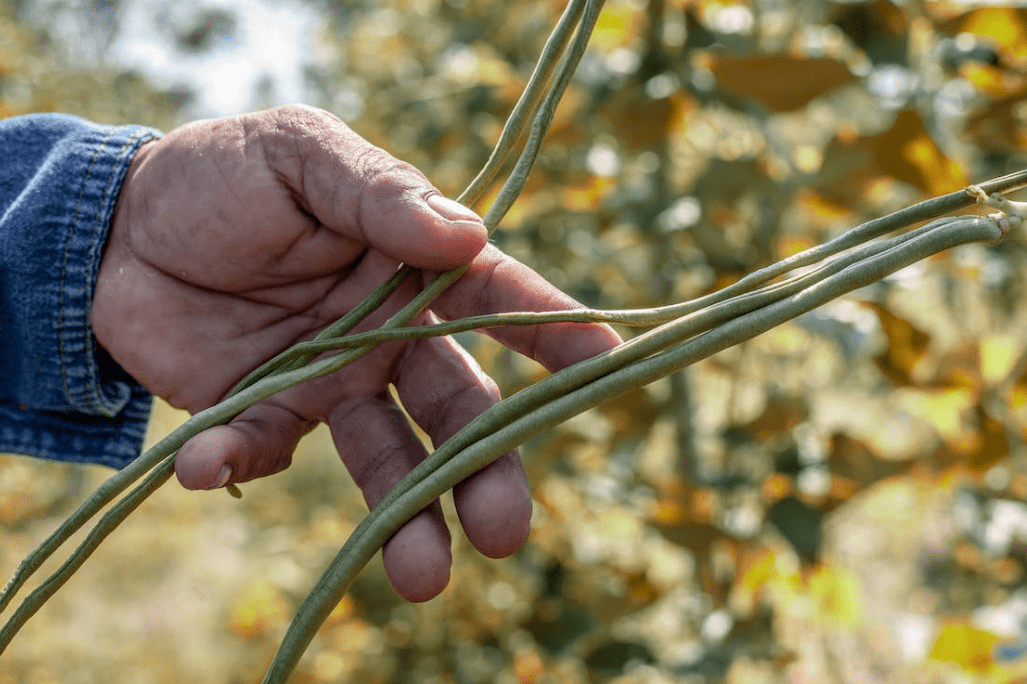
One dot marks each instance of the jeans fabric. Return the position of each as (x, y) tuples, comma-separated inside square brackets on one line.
[(61, 396)]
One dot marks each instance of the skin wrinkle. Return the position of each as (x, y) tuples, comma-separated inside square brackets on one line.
[(299, 126), (434, 420), (297, 194), (302, 178), (371, 191), (441, 410), (259, 458), (272, 325), (277, 453), (295, 179), (483, 293), (317, 314), (229, 186)]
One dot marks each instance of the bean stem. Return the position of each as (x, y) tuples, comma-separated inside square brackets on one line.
[(417, 490), (288, 369), (686, 332)]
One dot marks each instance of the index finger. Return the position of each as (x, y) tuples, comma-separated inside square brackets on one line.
[(496, 282)]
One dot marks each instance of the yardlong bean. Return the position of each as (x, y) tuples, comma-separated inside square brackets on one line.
[(268, 380), (685, 333), (107, 524), (418, 489)]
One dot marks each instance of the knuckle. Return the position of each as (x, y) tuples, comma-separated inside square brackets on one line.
[(384, 180)]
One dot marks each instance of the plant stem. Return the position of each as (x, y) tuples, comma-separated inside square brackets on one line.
[(687, 331), (393, 512), (287, 370), (528, 103), (107, 524)]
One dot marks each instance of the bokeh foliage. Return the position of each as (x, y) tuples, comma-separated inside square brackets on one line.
[(840, 500)]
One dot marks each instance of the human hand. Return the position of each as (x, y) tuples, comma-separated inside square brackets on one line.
[(235, 238)]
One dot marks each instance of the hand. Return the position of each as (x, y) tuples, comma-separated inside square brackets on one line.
[(235, 238)]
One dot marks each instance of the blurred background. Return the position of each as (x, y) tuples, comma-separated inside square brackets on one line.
[(839, 500)]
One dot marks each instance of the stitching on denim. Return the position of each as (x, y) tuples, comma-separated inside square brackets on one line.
[(61, 332), (61, 337)]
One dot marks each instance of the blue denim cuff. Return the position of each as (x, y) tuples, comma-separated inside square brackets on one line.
[(61, 396)]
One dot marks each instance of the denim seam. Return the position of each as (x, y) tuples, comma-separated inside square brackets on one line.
[(96, 393), (93, 401)]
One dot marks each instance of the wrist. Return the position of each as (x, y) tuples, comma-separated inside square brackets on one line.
[(111, 277)]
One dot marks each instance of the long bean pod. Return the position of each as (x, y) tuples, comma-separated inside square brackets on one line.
[(269, 380), (392, 513), (107, 524), (687, 329)]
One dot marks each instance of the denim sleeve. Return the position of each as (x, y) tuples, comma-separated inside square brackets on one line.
[(61, 396)]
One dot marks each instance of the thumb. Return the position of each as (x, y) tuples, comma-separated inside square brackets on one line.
[(363, 193), (426, 231)]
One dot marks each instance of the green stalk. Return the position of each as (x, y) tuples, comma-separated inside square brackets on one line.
[(528, 103), (285, 374), (107, 524), (532, 410), (392, 513)]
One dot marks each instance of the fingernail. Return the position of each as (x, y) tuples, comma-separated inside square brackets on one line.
[(452, 210), (223, 476)]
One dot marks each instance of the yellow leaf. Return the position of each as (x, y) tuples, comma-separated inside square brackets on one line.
[(616, 26), (770, 571), (669, 512), (342, 611), (908, 153), (989, 443), (781, 83), (960, 368), (945, 410), (586, 196), (759, 574), (1001, 126), (965, 645), (1018, 398), (259, 607), (642, 121), (528, 666), (837, 595), (907, 345), (998, 354), (1007, 25), (776, 487), (822, 208), (791, 245), (991, 80)]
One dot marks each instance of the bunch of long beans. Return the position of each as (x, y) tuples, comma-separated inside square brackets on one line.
[(681, 334)]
